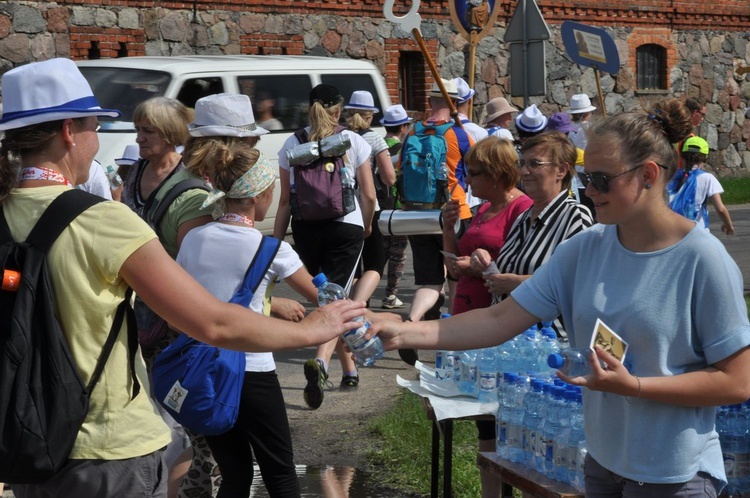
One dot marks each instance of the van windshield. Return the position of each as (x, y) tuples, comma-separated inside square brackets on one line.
[(123, 89)]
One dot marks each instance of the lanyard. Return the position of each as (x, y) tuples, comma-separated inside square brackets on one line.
[(237, 218), (36, 173)]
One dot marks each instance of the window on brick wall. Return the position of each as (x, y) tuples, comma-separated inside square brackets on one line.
[(651, 69), (411, 81)]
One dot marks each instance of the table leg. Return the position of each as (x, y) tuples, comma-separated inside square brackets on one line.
[(447, 458), (435, 463)]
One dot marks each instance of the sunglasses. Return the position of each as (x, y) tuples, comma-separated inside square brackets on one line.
[(600, 181), (532, 163)]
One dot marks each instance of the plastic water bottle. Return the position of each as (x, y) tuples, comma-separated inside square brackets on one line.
[(114, 178), (365, 352), (503, 416), (548, 345), (467, 383), (444, 360), (565, 407), (527, 349), (486, 376), (576, 439), (732, 436), (551, 429), (531, 439), (442, 184), (515, 419), (571, 362), (347, 179)]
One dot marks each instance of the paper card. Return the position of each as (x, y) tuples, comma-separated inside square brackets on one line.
[(608, 340), (448, 255)]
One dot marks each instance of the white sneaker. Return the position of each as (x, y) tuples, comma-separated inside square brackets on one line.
[(392, 302)]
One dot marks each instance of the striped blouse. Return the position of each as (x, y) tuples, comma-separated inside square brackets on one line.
[(529, 245)]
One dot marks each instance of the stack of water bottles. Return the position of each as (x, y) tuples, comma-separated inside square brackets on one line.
[(540, 418), (734, 435)]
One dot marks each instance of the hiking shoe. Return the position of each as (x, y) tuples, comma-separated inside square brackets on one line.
[(434, 312), (316, 380), (349, 382), (392, 303), (409, 356)]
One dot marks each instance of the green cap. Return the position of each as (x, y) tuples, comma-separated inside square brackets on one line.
[(695, 144)]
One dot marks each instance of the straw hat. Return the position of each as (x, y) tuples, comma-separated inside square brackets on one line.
[(395, 115), (464, 92), (47, 91), (225, 115), (496, 108), (580, 103), (129, 156), (362, 100), (531, 120)]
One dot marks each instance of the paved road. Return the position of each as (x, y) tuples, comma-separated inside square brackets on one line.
[(738, 245)]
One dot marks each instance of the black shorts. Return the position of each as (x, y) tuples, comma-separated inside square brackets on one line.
[(373, 253), (429, 268)]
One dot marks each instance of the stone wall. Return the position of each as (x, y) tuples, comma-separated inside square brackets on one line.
[(700, 62)]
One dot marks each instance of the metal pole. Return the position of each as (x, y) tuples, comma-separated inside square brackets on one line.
[(525, 56)]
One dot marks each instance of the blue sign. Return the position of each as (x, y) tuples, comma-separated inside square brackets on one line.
[(590, 46)]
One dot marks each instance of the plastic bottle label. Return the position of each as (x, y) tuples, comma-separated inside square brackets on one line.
[(487, 382), (355, 338)]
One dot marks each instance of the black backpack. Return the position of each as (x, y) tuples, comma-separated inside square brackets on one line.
[(43, 401), (154, 210)]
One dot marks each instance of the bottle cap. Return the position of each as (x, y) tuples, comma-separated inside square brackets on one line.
[(445, 315), (555, 360), (319, 279), (11, 280)]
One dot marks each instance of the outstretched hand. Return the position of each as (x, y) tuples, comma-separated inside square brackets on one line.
[(613, 377), (332, 320)]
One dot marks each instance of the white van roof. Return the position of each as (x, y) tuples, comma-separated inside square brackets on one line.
[(195, 63)]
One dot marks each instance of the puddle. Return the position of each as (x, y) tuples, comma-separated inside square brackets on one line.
[(327, 482)]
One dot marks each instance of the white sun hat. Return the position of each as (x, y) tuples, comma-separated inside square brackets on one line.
[(46, 91), (130, 155), (225, 115), (362, 100), (395, 115), (580, 103), (465, 93), (450, 87), (531, 120)]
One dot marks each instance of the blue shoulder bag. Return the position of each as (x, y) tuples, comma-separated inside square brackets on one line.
[(200, 385)]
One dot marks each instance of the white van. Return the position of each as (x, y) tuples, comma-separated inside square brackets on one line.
[(284, 81)]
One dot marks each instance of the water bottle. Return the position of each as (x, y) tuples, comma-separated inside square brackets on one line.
[(565, 407), (575, 439), (365, 352), (531, 439), (571, 362), (502, 419), (505, 359), (114, 179), (347, 192), (548, 345), (467, 383), (442, 185), (515, 419), (486, 376), (732, 431), (347, 179), (444, 360), (527, 351), (551, 429)]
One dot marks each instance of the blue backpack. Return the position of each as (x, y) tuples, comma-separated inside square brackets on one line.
[(200, 385), (682, 197), (422, 157)]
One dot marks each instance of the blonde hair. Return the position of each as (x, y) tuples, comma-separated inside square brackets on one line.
[(495, 157), (358, 120), (170, 117), (323, 121), (197, 150)]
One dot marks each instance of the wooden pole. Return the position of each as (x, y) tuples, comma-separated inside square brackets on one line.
[(601, 95), (472, 56), (436, 75)]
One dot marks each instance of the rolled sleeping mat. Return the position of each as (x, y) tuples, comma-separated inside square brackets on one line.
[(422, 222)]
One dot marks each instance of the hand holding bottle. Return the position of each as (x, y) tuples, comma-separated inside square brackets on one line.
[(607, 374)]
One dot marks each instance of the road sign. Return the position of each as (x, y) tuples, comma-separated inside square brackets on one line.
[(526, 24), (533, 64), (590, 46)]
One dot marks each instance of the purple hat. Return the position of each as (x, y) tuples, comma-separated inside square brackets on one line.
[(560, 121)]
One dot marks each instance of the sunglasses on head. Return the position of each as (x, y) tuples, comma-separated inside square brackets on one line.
[(600, 181)]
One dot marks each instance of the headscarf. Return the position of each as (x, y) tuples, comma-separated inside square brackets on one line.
[(253, 182)]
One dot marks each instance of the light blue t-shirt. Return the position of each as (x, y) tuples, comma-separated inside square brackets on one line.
[(680, 309)]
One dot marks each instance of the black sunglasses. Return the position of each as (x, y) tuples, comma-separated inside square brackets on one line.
[(601, 181)]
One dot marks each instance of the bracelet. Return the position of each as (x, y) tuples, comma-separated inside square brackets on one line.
[(638, 394)]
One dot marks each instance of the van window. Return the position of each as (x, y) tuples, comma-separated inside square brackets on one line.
[(123, 89), (280, 102), (349, 83), (197, 88)]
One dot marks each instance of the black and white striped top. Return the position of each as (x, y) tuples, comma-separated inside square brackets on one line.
[(529, 245)]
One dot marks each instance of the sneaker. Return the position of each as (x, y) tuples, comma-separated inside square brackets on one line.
[(434, 312), (349, 382), (316, 380), (392, 303)]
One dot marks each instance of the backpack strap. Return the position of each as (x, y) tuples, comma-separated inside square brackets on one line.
[(302, 136), (258, 268), (56, 218), (463, 146), (163, 205)]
